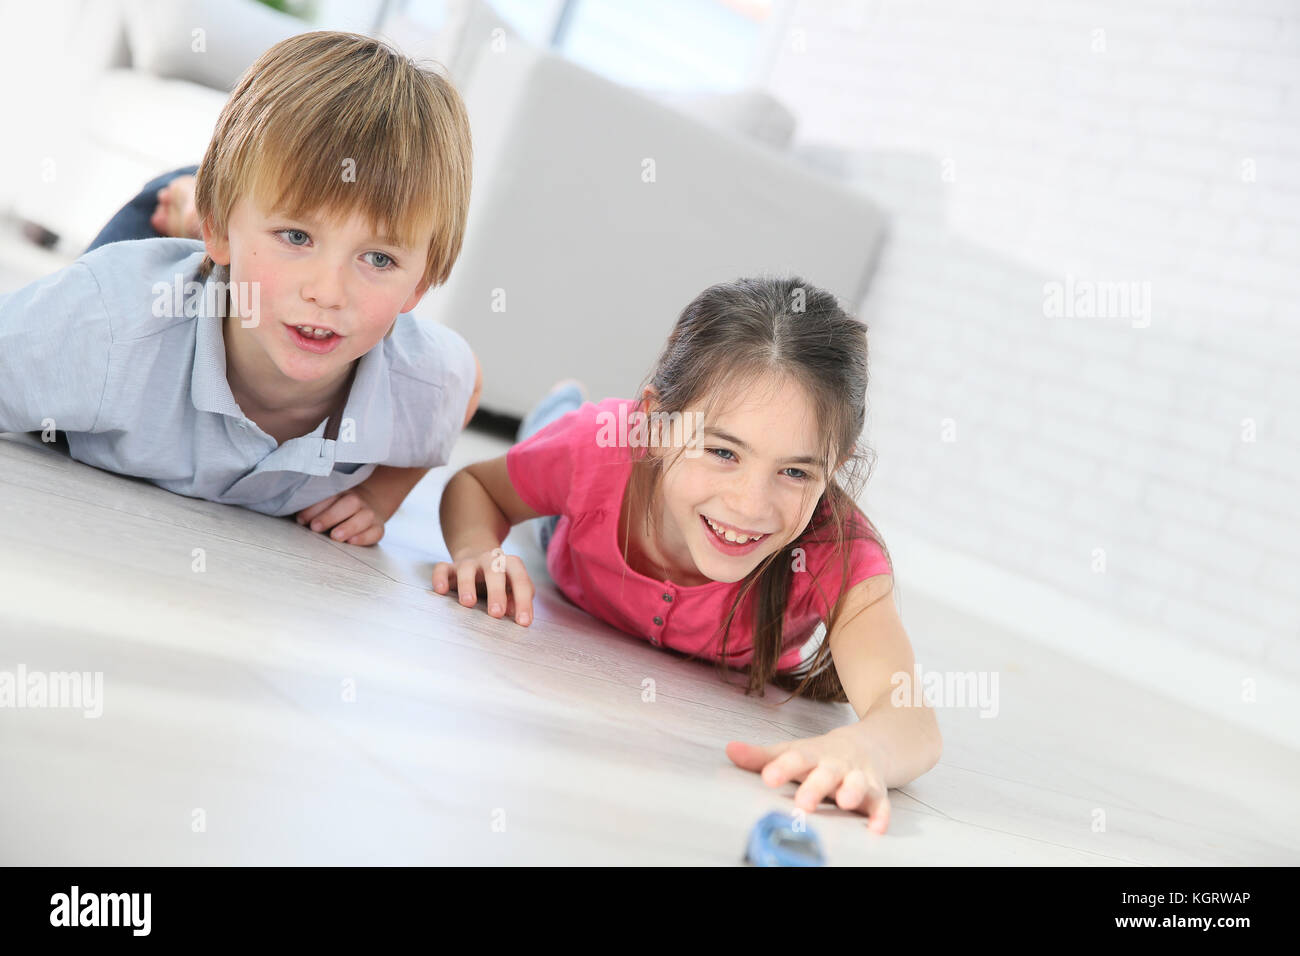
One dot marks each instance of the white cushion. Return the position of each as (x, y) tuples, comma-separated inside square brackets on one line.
[(133, 126), (162, 35), (168, 122)]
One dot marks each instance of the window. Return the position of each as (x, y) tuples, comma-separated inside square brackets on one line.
[(671, 45), (663, 45), (666, 44)]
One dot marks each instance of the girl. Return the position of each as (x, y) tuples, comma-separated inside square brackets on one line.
[(726, 535)]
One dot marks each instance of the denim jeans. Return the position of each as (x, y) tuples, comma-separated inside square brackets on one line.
[(132, 220), (553, 406)]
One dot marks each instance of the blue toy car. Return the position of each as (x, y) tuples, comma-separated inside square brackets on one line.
[(774, 841)]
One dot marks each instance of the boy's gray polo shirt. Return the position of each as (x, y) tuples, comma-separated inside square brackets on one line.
[(82, 351)]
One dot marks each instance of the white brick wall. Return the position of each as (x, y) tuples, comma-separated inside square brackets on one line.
[(1017, 145)]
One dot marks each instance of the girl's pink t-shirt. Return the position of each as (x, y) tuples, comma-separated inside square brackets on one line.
[(569, 469)]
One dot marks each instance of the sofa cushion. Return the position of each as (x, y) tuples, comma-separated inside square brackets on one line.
[(133, 126), (166, 122), (164, 37), (599, 212)]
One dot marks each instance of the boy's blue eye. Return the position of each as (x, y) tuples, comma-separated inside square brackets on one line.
[(293, 236), (387, 260)]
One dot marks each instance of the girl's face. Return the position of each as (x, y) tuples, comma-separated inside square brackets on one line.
[(757, 477)]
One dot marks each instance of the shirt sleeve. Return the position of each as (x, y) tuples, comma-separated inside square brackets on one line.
[(459, 373), (55, 342), (867, 559), (541, 467), (432, 370)]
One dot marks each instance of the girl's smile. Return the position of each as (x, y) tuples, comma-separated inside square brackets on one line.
[(728, 540)]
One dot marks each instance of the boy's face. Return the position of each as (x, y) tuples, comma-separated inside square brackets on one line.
[(334, 276), (753, 475)]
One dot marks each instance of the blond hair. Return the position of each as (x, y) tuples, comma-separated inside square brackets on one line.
[(342, 122)]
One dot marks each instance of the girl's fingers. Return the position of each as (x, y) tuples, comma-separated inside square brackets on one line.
[(503, 579), (865, 795), (496, 588), (443, 577), (466, 582), (788, 766), (853, 788), (521, 586), (818, 785), (878, 810), (754, 756), (853, 791)]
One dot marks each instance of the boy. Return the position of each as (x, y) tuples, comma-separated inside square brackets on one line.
[(273, 365)]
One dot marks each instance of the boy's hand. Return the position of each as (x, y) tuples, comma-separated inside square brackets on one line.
[(493, 570), (356, 515), (837, 763)]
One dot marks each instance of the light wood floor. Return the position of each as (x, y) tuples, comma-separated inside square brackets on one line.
[(472, 740)]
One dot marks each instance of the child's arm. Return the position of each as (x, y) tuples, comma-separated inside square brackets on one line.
[(357, 516), (479, 507), (889, 746)]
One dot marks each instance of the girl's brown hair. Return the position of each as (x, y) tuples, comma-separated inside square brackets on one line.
[(341, 122), (729, 338)]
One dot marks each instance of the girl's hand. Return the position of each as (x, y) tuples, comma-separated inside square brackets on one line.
[(356, 516), (838, 763), (493, 571)]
